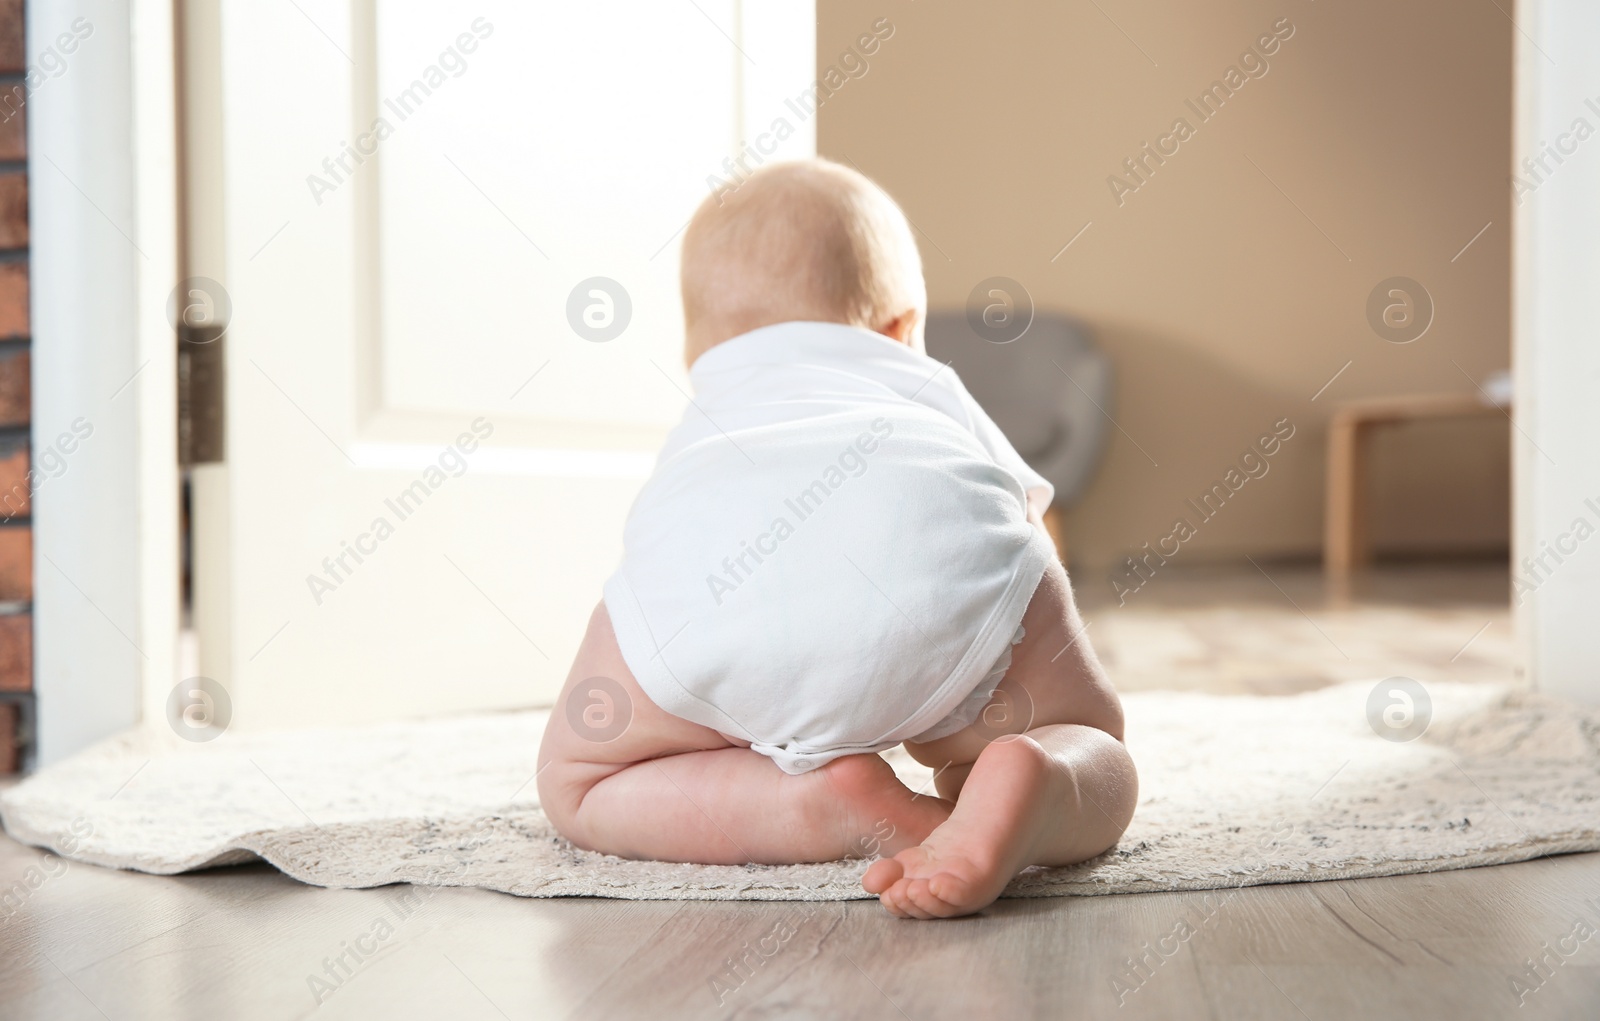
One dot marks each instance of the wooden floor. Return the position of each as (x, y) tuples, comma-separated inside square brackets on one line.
[(1511, 941), (1271, 629)]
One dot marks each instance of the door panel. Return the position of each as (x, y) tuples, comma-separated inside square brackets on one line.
[(581, 166), (427, 467)]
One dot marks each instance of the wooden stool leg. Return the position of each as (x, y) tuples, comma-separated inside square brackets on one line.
[(1344, 545)]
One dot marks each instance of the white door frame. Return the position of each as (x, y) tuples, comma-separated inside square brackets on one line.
[(1555, 357), (104, 258)]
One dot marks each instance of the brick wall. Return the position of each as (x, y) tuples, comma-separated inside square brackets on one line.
[(16, 532)]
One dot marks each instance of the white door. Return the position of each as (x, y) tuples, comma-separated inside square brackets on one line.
[(432, 431)]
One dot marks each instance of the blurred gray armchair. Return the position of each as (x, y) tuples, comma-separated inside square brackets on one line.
[(1041, 389)]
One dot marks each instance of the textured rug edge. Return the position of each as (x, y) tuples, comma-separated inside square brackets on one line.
[(450, 846), (1034, 884), (234, 853)]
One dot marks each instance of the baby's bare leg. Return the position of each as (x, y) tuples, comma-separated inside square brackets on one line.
[(1042, 778), (732, 806), (619, 775)]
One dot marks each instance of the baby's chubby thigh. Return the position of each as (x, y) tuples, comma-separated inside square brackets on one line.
[(1054, 677), (602, 723)]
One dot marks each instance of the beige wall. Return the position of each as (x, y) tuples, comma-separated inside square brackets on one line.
[(1224, 306)]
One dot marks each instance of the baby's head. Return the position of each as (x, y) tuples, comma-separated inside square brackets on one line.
[(810, 240)]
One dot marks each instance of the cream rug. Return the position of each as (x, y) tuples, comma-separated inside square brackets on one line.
[(1235, 791)]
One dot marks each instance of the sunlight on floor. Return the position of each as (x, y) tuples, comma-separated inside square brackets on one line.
[(1276, 630)]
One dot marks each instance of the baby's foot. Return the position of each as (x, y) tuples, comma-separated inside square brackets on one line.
[(875, 813), (965, 863)]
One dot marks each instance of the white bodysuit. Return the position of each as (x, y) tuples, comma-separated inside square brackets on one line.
[(832, 555)]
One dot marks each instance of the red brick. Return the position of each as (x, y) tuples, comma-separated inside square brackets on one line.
[(12, 43), (8, 739), (13, 300), (16, 564), (14, 210), (13, 100), (13, 129), (15, 494), (16, 652), (15, 389)]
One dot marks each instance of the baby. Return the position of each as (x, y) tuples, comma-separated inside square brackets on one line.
[(838, 552)]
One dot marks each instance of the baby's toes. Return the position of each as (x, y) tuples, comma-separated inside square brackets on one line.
[(919, 903), (931, 896), (882, 874), (897, 900), (894, 902)]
